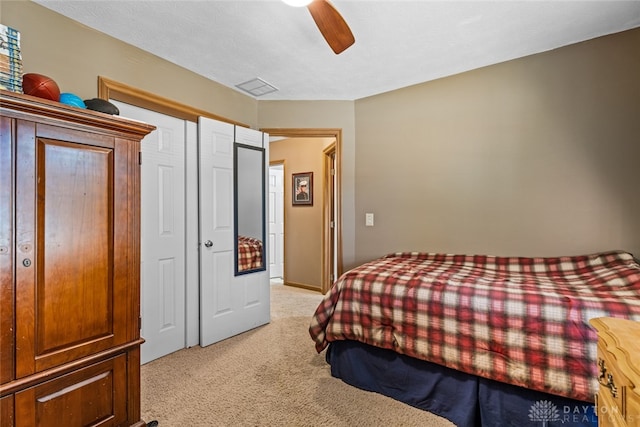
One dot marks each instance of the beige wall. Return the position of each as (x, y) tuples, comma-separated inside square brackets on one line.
[(303, 224), (536, 156)]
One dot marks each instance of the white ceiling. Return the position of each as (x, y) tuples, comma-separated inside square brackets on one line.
[(398, 43)]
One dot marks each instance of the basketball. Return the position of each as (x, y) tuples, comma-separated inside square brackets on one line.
[(40, 86)]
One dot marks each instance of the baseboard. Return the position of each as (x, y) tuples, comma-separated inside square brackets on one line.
[(303, 286)]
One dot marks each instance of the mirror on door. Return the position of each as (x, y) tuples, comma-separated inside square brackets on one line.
[(249, 189)]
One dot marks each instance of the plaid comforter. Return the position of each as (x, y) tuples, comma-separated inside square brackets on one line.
[(522, 321), (249, 253)]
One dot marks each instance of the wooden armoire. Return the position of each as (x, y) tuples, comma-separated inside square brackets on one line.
[(69, 265)]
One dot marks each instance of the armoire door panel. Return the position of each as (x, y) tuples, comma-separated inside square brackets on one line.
[(74, 235), (6, 251), (92, 396), (72, 243)]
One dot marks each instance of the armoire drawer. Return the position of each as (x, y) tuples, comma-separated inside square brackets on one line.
[(92, 396)]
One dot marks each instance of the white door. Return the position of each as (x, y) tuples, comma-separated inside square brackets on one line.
[(162, 247), (229, 304), (276, 220)]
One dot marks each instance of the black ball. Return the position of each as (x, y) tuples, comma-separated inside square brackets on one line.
[(101, 105)]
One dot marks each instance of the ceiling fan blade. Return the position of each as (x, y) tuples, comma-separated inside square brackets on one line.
[(331, 24)]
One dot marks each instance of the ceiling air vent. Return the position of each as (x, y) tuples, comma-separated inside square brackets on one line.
[(257, 87)]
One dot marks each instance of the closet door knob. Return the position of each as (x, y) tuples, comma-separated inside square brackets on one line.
[(208, 243)]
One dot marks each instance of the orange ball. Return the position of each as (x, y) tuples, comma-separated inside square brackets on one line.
[(40, 86)]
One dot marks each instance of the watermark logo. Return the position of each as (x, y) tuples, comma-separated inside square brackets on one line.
[(547, 412), (544, 411)]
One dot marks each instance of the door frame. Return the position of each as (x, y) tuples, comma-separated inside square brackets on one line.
[(327, 258), (328, 218), (110, 89)]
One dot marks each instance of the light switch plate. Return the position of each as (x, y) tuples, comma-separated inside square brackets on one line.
[(368, 219)]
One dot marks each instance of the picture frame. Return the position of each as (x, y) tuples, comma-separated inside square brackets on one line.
[(302, 189)]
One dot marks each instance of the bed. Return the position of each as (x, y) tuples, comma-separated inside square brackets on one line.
[(480, 340), (249, 253)]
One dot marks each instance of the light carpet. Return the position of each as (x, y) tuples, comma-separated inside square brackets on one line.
[(269, 376)]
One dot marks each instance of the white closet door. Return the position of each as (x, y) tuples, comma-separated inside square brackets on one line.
[(162, 233), (276, 221), (229, 304)]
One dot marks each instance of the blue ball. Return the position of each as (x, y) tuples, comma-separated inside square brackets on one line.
[(71, 99)]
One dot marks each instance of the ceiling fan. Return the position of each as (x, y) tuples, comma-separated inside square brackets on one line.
[(331, 24)]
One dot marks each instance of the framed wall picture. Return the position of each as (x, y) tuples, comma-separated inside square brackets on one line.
[(302, 189)]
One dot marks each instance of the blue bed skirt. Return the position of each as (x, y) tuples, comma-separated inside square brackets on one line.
[(466, 400)]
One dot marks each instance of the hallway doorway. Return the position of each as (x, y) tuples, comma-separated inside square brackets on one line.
[(331, 258)]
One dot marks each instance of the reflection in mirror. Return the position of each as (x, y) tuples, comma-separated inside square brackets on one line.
[(249, 189)]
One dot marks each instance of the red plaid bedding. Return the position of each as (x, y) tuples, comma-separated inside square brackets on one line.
[(249, 253), (522, 321)]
